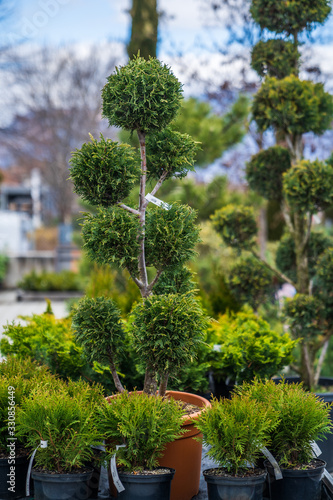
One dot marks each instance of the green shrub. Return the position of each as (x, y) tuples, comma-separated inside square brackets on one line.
[(104, 172), (4, 261), (243, 346), (275, 57), (66, 421), (235, 430), (48, 281), (301, 419), (236, 225), (128, 90), (143, 423)]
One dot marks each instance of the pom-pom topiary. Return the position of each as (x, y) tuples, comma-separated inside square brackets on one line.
[(275, 57), (236, 225)]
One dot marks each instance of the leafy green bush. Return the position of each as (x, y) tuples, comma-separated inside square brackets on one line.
[(48, 281), (264, 171), (167, 330), (143, 423), (275, 57), (235, 430), (104, 172), (308, 186), (128, 90), (293, 106), (301, 419), (291, 16), (251, 282), (243, 346), (66, 421), (236, 225), (286, 256)]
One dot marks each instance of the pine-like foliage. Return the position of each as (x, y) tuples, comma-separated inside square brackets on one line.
[(301, 418), (235, 430), (143, 423)]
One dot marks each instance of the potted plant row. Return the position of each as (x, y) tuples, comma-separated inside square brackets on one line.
[(285, 419), (134, 230)]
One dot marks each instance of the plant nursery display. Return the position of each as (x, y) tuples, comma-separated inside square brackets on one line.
[(235, 430), (136, 231), (301, 419), (290, 107)]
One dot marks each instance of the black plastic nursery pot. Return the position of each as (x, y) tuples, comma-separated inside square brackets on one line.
[(13, 477), (296, 484), (61, 486), (146, 487), (326, 444), (232, 488)]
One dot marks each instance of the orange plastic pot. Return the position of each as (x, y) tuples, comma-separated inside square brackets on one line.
[(184, 454)]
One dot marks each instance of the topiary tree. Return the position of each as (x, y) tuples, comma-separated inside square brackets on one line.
[(150, 242), (291, 107)]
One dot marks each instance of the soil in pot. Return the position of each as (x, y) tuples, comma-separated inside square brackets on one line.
[(224, 486), (12, 480), (53, 486), (151, 485), (297, 484)]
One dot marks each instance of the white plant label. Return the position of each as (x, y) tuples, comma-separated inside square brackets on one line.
[(157, 201), (114, 472), (43, 444), (315, 449), (269, 456)]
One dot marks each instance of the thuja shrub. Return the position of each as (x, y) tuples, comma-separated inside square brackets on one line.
[(167, 330), (104, 172), (275, 57), (301, 419), (236, 225), (127, 91), (244, 346), (302, 314), (251, 282), (66, 421), (235, 430), (308, 186), (171, 235), (286, 256), (293, 106), (264, 171), (170, 154), (291, 16), (110, 236), (143, 423), (98, 328)]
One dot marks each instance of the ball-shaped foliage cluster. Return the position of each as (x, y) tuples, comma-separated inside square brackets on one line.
[(104, 171), (170, 153), (289, 16), (286, 256), (275, 57), (302, 314), (171, 236), (167, 330), (179, 280), (264, 171), (293, 106), (143, 95), (251, 282), (308, 186), (98, 328), (236, 225), (110, 236)]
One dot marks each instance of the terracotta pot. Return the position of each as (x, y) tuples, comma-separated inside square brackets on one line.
[(184, 454)]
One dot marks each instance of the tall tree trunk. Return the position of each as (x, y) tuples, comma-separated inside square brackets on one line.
[(144, 29)]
